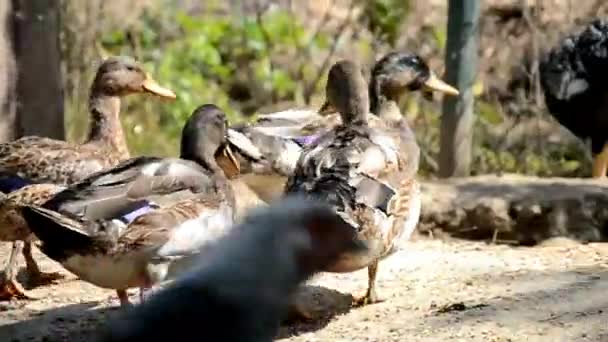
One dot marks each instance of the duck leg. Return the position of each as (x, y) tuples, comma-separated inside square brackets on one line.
[(123, 296), (9, 287), (600, 163), (144, 293), (370, 296), (36, 276)]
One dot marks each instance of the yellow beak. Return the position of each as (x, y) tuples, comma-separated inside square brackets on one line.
[(151, 86), (434, 83), (228, 162)]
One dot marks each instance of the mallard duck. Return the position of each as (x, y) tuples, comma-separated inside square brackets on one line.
[(242, 288), (280, 137), (365, 173), (34, 159), (573, 82), (129, 226), (14, 228)]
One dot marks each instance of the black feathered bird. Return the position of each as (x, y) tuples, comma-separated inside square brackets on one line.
[(242, 288), (573, 78)]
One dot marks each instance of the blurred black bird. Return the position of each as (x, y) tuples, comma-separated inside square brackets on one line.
[(242, 288), (573, 79)]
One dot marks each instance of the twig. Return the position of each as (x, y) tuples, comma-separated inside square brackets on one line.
[(259, 12), (133, 42), (324, 20), (308, 91), (430, 161)]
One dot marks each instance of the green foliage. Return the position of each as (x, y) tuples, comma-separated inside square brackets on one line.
[(245, 63), (489, 112), (224, 60), (385, 17)]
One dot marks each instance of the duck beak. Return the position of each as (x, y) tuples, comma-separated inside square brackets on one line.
[(151, 86), (228, 162), (327, 109), (243, 144), (434, 83)]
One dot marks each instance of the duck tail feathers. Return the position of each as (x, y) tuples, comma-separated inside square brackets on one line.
[(58, 233)]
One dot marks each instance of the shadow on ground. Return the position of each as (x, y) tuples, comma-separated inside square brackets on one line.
[(324, 304), (80, 322), (66, 323)]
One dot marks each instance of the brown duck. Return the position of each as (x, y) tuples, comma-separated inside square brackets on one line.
[(34, 159), (136, 224), (270, 148), (365, 172)]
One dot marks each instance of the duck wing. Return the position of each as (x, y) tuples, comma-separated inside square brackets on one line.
[(45, 160), (131, 185), (64, 235), (180, 229), (265, 153), (348, 167)]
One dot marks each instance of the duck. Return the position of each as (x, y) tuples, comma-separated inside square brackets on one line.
[(364, 173), (571, 78), (278, 138), (135, 225), (34, 168), (15, 229), (242, 288)]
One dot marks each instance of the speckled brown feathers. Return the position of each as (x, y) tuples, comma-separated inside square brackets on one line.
[(43, 160), (139, 222), (154, 229), (12, 225), (392, 76), (46, 160), (364, 173)]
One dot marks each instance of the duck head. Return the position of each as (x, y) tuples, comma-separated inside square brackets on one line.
[(122, 75), (346, 92), (398, 72), (204, 140), (395, 74)]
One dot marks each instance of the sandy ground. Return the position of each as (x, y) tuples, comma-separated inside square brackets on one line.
[(437, 290)]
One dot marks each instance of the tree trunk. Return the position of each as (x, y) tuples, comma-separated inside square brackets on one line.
[(39, 87), (461, 61), (8, 75)]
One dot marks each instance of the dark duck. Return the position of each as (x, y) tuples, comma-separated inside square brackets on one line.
[(572, 77)]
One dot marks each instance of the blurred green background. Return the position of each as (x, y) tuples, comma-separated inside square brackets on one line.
[(252, 57)]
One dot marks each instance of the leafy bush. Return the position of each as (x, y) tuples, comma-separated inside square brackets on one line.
[(223, 60)]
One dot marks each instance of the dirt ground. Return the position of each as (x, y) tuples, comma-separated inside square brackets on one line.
[(437, 290)]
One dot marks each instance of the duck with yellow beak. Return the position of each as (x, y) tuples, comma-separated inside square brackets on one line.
[(277, 139), (34, 168), (137, 224), (365, 167)]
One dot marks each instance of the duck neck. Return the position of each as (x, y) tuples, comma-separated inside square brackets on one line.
[(105, 127), (208, 163), (223, 188), (383, 105)]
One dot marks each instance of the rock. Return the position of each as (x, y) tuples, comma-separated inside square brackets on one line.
[(517, 209)]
